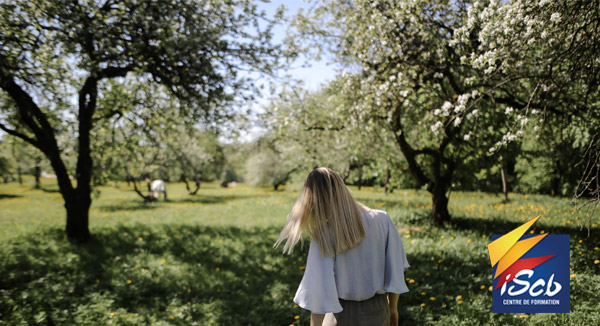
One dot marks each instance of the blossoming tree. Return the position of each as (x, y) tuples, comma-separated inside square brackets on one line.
[(57, 56)]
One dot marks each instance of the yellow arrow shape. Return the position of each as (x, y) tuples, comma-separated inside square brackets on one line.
[(518, 250), (499, 247)]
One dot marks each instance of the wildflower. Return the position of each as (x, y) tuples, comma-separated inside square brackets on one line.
[(296, 317), (596, 261), (432, 298), (458, 297), (423, 293), (482, 286), (460, 302), (302, 267), (422, 305), (171, 317), (128, 281), (573, 275)]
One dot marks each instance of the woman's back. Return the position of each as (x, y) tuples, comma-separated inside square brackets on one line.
[(374, 266)]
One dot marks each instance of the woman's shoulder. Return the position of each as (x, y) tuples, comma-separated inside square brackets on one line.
[(374, 212), (377, 214)]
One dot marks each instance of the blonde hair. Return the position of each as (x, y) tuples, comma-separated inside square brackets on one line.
[(326, 211)]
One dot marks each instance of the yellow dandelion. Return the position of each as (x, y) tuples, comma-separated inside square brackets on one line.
[(140, 239), (573, 275), (302, 267), (112, 314), (217, 269), (458, 297), (469, 241), (460, 302), (596, 261), (422, 305), (580, 241), (432, 298), (171, 317), (128, 281), (596, 248), (490, 288), (427, 274), (423, 293), (296, 317), (163, 261), (189, 303), (523, 316), (482, 286), (440, 261), (295, 306), (411, 281)]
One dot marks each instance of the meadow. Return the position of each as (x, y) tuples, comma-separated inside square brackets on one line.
[(208, 259)]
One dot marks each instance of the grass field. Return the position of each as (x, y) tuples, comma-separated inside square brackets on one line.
[(208, 259)]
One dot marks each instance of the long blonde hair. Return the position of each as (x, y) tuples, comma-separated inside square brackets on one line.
[(326, 211)]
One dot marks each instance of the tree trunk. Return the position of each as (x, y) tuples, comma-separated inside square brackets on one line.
[(359, 178), (555, 183), (20, 175), (37, 172), (78, 209), (387, 181), (504, 186), (440, 204)]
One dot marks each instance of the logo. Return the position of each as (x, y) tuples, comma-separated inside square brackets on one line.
[(530, 273)]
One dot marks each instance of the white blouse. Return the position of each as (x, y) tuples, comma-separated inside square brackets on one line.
[(374, 265)]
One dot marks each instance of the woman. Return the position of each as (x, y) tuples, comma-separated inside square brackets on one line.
[(356, 260)]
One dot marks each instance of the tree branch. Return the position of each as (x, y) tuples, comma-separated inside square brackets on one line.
[(20, 135)]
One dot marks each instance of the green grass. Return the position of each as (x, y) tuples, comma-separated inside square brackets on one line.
[(208, 259)]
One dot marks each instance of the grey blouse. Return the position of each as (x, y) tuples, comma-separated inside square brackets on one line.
[(375, 265)]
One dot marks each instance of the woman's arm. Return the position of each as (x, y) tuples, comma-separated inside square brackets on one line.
[(316, 319), (393, 304)]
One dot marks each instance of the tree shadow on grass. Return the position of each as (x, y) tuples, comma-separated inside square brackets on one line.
[(7, 196), (130, 206), (175, 274), (180, 274), (207, 199), (50, 190)]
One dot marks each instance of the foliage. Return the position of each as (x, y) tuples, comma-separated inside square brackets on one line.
[(147, 261), (54, 54)]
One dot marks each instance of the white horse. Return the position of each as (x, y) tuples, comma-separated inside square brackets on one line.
[(157, 187)]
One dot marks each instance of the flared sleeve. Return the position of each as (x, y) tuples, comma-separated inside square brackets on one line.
[(317, 291), (395, 261)]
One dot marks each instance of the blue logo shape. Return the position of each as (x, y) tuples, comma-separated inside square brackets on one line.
[(538, 282)]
